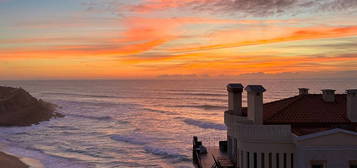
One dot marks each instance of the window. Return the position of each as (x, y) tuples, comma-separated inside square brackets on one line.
[(318, 164), (242, 159), (292, 160), (353, 164), (277, 160), (238, 156), (255, 160), (263, 160), (270, 160), (248, 162)]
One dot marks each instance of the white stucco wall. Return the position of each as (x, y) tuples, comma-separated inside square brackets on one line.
[(337, 149), (259, 140)]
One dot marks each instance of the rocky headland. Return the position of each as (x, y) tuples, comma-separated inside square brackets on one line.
[(19, 108)]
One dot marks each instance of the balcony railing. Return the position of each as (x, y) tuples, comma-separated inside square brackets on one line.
[(241, 127)]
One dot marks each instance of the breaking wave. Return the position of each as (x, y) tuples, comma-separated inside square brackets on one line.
[(88, 103), (80, 95), (202, 94), (205, 124), (167, 153), (173, 154), (205, 107), (91, 117), (48, 160), (136, 140), (160, 111)]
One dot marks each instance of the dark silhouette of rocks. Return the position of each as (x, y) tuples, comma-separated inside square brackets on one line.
[(19, 108)]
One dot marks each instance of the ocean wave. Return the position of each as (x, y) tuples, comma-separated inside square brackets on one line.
[(167, 153), (47, 160), (106, 118), (204, 106), (202, 94), (64, 103), (136, 140), (205, 124), (80, 95), (63, 127), (160, 111), (212, 99)]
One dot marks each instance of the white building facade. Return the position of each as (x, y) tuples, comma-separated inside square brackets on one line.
[(255, 143)]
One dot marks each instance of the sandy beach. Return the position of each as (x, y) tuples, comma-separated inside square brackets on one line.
[(11, 161)]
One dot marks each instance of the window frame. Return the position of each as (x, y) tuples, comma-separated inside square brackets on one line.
[(318, 162)]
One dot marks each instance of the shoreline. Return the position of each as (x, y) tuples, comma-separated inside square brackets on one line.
[(15, 161), (7, 160)]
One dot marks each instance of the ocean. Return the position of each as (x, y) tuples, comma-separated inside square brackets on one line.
[(135, 123)]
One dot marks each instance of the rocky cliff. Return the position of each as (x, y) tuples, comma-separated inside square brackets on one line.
[(19, 108)]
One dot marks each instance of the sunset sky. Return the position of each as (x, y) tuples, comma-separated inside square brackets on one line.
[(91, 39)]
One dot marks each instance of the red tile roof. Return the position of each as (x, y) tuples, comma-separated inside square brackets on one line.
[(308, 113), (305, 109)]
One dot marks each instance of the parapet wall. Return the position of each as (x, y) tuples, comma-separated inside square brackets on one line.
[(262, 132), (245, 129), (230, 119)]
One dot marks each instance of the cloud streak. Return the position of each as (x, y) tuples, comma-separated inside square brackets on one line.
[(153, 37), (246, 7), (294, 35)]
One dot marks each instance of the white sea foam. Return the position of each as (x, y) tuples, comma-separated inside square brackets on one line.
[(79, 95), (32, 163), (91, 117), (167, 153), (202, 106), (205, 124), (132, 139), (37, 159), (160, 111)]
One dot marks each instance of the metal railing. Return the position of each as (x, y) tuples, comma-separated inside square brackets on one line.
[(212, 141)]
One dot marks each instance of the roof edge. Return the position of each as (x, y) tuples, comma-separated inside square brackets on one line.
[(323, 133)]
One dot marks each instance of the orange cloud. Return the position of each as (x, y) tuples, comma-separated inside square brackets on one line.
[(267, 64), (141, 35), (79, 51), (294, 35)]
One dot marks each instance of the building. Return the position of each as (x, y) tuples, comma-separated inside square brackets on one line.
[(304, 131)]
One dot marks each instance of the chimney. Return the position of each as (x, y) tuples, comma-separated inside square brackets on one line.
[(328, 95), (352, 104), (255, 103), (235, 98), (303, 91)]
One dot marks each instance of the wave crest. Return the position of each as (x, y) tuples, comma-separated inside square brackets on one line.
[(91, 117), (160, 111), (167, 153), (204, 106), (205, 124), (136, 140), (80, 95)]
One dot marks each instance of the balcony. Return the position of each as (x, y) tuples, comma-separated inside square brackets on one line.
[(243, 128)]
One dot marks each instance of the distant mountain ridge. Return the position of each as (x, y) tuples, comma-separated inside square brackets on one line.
[(19, 108)]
